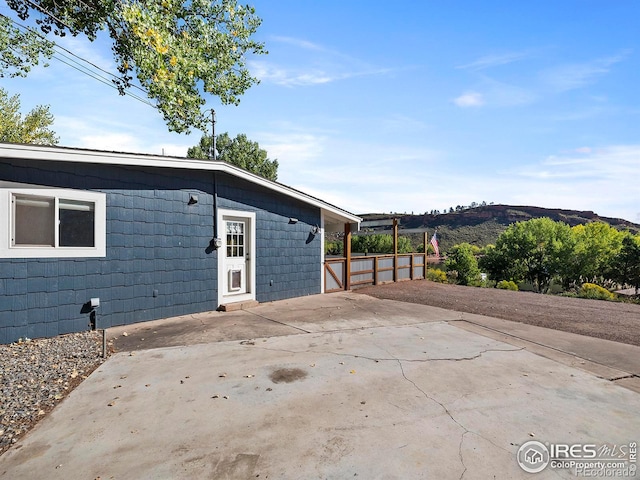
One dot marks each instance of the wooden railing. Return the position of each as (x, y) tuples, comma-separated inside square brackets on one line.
[(372, 270)]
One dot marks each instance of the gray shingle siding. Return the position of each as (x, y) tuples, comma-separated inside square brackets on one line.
[(155, 242)]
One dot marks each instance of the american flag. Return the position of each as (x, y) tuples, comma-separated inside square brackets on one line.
[(434, 242)]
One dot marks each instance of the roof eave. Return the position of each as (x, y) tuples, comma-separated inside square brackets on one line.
[(66, 154)]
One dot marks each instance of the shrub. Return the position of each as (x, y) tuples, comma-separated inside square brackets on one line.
[(379, 243), (436, 275), (333, 248), (462, 260), (507, 285), (591, 290)]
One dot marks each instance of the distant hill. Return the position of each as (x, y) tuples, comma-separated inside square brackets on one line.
[(479, 225)]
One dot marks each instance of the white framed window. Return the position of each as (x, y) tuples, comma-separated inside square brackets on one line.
[(48, 222)]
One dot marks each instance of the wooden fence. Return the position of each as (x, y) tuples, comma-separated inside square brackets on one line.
[(372, 270)]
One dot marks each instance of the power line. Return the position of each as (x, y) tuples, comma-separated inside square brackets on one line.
[(93, 75), (84, 69), (103, 80), (49, 14), (93, 64), (63, 48)]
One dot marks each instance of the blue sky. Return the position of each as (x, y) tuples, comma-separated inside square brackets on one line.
[(410, 106)]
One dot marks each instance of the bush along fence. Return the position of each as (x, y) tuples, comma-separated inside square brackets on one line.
[(348, 272)]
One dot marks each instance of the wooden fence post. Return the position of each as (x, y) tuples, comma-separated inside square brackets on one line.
[(395, 249), (411, 264), (425, 254), (375, 270), (347, 254)]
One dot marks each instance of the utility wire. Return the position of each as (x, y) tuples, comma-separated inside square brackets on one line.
[(49, 14), (93, 75), (63, 48), (103, 80), (82, 68)]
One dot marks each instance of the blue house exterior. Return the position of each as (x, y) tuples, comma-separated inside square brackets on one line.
[(146, 237)]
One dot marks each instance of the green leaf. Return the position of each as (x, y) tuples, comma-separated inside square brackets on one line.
[(32, 129), (179, 51)]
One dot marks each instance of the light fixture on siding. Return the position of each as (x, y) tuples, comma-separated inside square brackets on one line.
[(193, 199), (293, 221)]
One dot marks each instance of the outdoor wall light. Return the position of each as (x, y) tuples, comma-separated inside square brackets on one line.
[(315, 229), (193, 199), (293, 221)]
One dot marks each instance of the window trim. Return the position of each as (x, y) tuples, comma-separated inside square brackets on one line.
[(7, 250)]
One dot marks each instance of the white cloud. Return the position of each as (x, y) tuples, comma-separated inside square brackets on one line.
[(292, 148), (469, 99), (306, 63), (616, 162), (86, 50), (286, 76), (300, 43), (500, 94), (306, 76), (105, 133), (584, 150), (604, 180), (577, 75), (118, 142), (489, 61)]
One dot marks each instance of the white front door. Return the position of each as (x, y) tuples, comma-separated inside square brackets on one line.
[(235, 258)]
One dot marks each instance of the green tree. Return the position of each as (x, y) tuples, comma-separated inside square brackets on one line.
[(33, 128), (626, 263), (379, 243), (596, 244), (20, 49), (496, 264), (404, 245), (536, 250), (202, 151), (176, 49), (239, 151), (462, 260)]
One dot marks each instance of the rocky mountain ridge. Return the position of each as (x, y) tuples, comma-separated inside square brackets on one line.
[(480, 225)]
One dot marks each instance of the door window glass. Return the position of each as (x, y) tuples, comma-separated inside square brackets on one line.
[(235, 239)]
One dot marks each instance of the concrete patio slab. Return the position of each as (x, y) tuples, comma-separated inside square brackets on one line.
[(315, 313), (621, 356), (405, 396)]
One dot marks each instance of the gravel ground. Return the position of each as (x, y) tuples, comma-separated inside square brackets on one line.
[(615, 321), (35, 375)]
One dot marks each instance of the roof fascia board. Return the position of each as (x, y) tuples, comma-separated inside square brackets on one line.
[(65, 154)]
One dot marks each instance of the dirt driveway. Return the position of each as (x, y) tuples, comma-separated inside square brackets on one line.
[(619, 322)]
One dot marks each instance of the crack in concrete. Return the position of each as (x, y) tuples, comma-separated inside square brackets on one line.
[(461, 359), (623, 377), (396, 359), (276, 321), (448, 412), (400, 361), (533, 342), (444, 407), (460, 455)]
